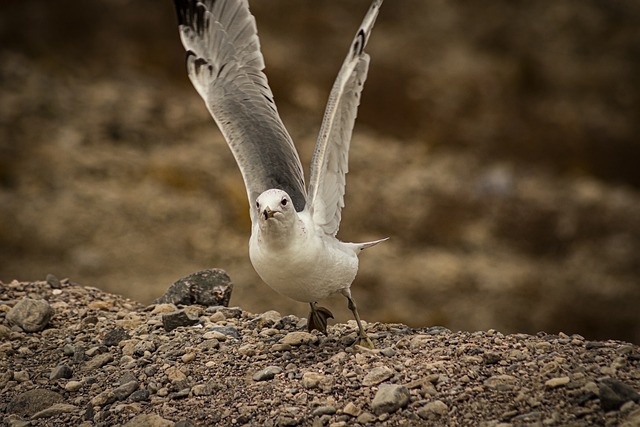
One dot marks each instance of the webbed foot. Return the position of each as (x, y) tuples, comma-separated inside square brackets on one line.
[(364, 341), (318, 318)]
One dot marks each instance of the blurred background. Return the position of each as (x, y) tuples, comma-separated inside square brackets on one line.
[(497, 144)]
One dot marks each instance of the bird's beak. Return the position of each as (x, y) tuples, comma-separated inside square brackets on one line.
[(268, 213)]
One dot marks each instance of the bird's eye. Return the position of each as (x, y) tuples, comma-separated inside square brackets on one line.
[(284, 201), (258, 205)]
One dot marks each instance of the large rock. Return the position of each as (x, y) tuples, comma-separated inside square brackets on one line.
[(30, 314), (33, 401), (207, 287)]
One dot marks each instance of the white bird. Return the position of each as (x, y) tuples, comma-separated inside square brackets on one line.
[(293, 245)]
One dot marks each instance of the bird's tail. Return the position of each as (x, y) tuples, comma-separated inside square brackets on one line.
[(365, 245)]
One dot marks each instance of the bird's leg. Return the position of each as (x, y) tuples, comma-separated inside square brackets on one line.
[(318, 318), (362, 340)]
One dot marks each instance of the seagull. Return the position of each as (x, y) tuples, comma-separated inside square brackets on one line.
[(293, 245)]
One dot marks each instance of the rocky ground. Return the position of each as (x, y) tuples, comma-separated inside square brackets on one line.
[(76, 355), (495, 145)]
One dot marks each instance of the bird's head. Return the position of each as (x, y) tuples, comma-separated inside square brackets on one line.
[(274, 204)]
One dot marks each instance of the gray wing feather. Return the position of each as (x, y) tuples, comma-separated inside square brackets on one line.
[(331, 156), (225, 65)]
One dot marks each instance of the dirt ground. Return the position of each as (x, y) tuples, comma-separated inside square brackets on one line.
[(496, 145)]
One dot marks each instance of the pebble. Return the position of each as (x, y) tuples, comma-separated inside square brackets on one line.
[(268, 319), (175, 374), (61, 371), (139, 395), (351, 409), (377, 375), (557, 382), (30, 315), (115, 336), (105, 398), (53, 281), (189, 357), (314, 379), (54, 410), (125, 390), (299, 338), (390, 398), (323, 410), (267, 373), (366, 418), (501, 382), (227, 331), (21, 376), (176, 319), (434, 409), (148, 420), (98, 361), (73, 386)]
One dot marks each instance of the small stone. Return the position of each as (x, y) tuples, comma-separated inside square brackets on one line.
[(390, 398), (125, 390), (61, 371), (98, 361), (173, 320), (148, 420), (139, 395), (207, 287), (614, 393), (557, 382), (5, 332), (268, 319), (53, 281), (30, 315), (434, 409), (501, 382), (175, 375), (214, 335), (33, 401), (299, 338), (267, 373), (366, 418), (185, 423), (377, 375), (126, 377), (227, 331), (164, 308), (351, 409), (188, 357), (142, 347), (54, 410), (105, 398), (312, 379), (181, 394), (115, 336), (281, 347), (21, 376), (323, 410), (218, 316), (72, 386), (389, 352)]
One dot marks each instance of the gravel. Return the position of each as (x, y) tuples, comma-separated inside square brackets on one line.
[(103, 360)]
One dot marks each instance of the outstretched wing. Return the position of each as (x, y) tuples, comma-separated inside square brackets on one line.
[(331, 156), (225, 65)]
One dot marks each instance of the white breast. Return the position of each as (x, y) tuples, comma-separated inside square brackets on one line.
[(309, 267)]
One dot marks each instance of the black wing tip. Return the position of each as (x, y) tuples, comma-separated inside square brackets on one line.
[(191, 13)]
